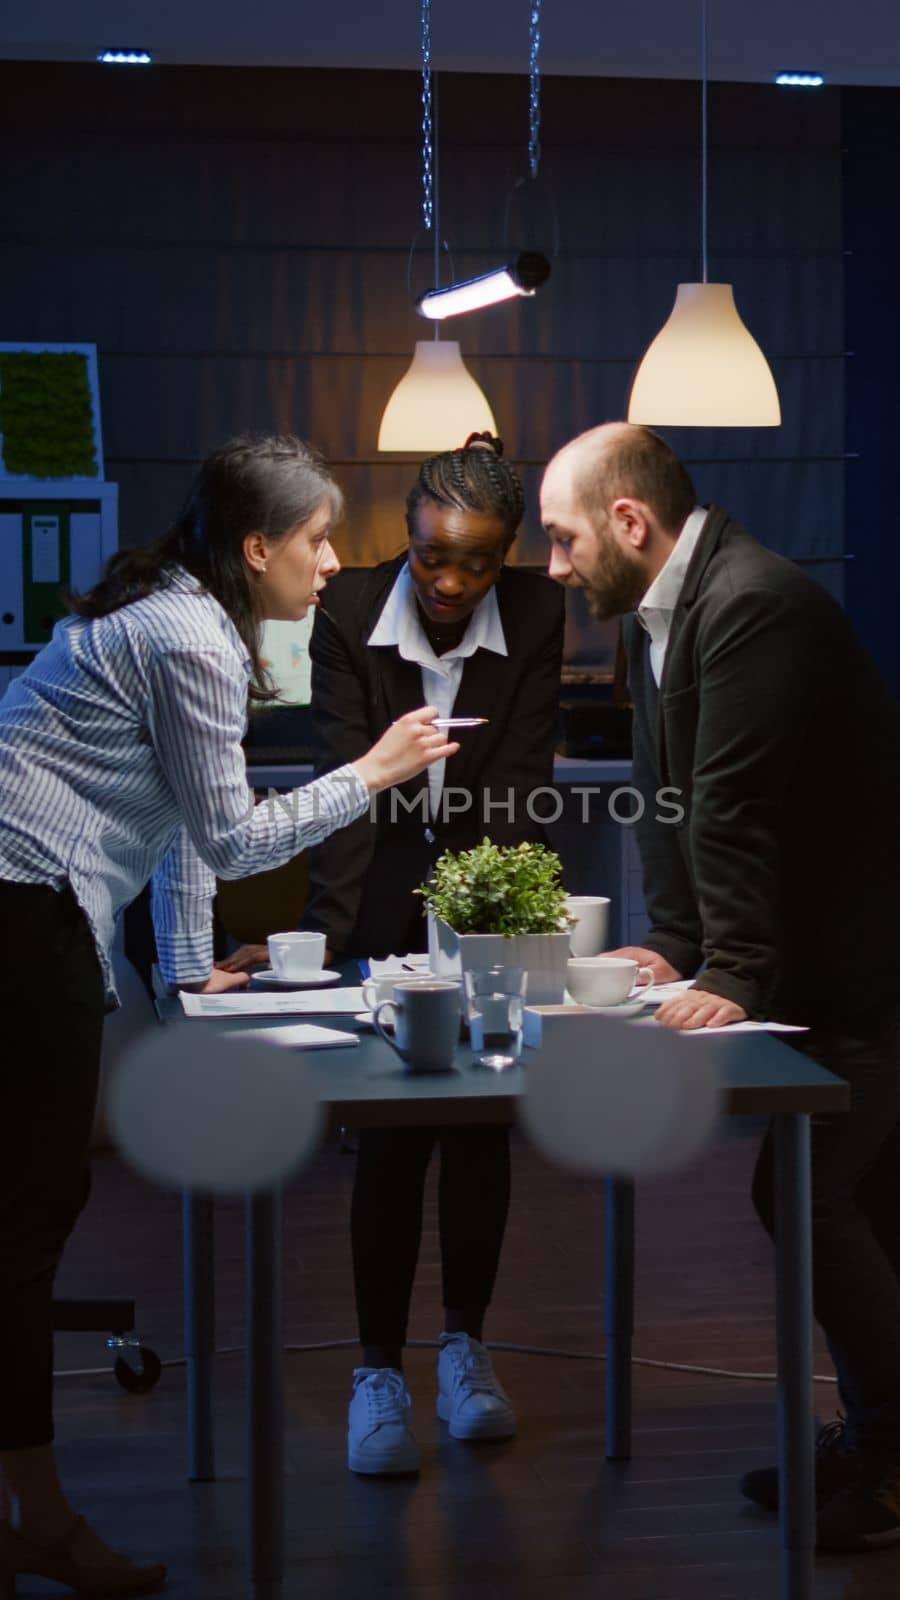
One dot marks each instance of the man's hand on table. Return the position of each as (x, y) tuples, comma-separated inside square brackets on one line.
[(694, 1008), (697, 1009), (659, 966)]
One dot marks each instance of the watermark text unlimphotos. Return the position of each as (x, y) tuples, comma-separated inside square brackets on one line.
[(586, 802)]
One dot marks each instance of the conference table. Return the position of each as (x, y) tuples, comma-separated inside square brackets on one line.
[(363, 1086)]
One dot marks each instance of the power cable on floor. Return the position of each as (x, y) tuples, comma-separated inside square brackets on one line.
[(515, 1349)]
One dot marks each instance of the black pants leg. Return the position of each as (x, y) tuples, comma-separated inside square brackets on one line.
[(856, 1223), (386, 1220), (386, 1228), (51, 1023), (473, 1202)]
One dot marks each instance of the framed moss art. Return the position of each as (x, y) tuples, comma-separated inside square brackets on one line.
[(50, 412)]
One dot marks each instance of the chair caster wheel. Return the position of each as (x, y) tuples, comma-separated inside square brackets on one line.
[(139, 1382)]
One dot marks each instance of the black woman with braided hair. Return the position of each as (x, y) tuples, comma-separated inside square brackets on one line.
[(481, 639)]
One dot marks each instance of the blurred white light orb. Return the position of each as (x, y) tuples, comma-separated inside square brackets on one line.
[(193, 1108)]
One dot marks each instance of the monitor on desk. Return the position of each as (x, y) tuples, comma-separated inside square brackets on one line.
[(281, 730)]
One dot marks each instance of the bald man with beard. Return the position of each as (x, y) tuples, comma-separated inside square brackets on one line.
[(777, 889)]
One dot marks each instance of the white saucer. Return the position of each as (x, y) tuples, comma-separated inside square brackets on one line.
[(625, 1008), (313, 980), (367, 1021)]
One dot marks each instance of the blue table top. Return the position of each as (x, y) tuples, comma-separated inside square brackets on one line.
[(367, 1082)]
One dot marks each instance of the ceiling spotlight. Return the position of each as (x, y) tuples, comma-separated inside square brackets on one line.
[(523, 276), (800, 80), (125, 58)]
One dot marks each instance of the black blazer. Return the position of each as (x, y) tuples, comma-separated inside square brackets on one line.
[(784, 741), (362, 877)]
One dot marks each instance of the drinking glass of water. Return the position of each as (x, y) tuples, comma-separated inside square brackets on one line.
[(495, 999)]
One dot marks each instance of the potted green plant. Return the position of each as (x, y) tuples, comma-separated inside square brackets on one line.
[(500, 905)]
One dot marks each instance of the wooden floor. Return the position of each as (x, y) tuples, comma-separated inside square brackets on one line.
[(541, 1517)]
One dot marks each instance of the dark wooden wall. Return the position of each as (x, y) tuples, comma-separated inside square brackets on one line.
[(236, 244)]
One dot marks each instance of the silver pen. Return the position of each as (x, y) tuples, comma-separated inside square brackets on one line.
[(459, 722)]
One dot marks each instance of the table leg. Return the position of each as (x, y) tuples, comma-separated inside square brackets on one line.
[(265, 1394), (618, 1299), (794, 1318), (199, 1331)]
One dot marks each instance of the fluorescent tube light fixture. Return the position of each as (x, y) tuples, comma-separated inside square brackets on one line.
[(523, 276), (125, 58), (799, 80)]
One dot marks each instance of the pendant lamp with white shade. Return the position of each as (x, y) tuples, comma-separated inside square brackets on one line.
[(437, 403), (704, 369)]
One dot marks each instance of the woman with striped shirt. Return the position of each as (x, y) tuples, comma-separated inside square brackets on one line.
[(121, 761)]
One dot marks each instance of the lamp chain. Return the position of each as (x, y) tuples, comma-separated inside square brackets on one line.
[(534, 87), (427, 132), (704, 58)]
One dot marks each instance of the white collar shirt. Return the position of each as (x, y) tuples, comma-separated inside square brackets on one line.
[(399, 628), (657, 608)]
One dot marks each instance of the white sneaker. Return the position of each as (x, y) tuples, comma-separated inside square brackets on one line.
[(469, 1396), (379, 1436)]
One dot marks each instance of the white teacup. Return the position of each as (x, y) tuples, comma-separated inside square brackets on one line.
[(376, 990), (296, 955), (590, 934), (604, 980)]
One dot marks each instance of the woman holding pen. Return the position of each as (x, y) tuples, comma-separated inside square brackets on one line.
[(448, 622), (121, 760)]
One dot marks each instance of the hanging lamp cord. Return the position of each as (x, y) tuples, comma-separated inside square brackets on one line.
[(534, 87), (427, 127), (704, 192)]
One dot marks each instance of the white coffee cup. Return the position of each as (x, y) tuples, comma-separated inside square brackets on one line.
[(375, 990), (590, 933), (296, 955), (604, 980), (426, 1023)]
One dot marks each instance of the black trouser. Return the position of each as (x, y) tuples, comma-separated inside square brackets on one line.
[(856, 1226), (473, 1200), (51, 1024)]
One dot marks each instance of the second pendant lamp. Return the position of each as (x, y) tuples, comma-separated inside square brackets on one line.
[(704, 369)]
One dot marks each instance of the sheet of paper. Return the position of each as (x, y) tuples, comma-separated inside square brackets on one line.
[(750, 1027), (280, 1003), (301, 1036)]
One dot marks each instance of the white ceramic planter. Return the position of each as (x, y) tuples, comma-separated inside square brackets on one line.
[(543, 955)]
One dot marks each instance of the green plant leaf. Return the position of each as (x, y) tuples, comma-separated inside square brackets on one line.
[(508, 889)]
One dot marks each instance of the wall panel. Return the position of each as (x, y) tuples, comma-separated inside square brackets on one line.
[(236, 243)]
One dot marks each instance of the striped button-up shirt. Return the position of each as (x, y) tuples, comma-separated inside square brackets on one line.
[(121, 759)]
